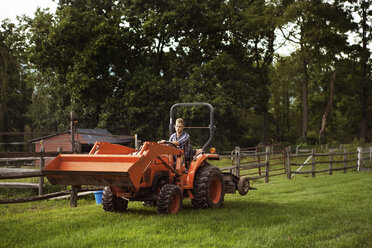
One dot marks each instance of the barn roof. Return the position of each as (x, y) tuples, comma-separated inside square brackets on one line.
[(48, 136), (90, 136)]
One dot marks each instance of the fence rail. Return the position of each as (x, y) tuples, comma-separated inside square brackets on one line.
[(344, 158), (254, 163), (275, 160), (14, 172), (257, 162)]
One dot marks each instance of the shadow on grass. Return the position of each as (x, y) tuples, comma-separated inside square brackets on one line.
[(188, 208), (230, 209)]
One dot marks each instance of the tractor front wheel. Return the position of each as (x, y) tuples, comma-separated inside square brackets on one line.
[(208, 188), (169, 199), (112, 203)]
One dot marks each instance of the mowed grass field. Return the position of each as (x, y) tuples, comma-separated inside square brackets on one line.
[(325, 211)]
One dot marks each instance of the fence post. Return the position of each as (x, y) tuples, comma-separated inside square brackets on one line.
[(42, 163), (345, 159), (297, 150), (72, 130), (360, 158), (288, 160), (74, 188), (313, 162), (370, 154), (267, 164), (74, 195), (237, 161), (331, 162), (258, 160), (232, 158)]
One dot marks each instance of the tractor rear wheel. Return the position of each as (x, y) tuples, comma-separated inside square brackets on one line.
[(208, 188), (112, 203), (169, 199)]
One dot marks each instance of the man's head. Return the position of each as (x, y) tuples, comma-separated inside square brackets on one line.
[(179, 126)]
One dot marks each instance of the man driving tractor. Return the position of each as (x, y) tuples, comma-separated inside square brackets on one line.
[(180, 138)]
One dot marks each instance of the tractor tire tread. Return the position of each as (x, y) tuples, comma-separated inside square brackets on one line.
[(200, 191), (164, 198), (243, 186), (112, 203)]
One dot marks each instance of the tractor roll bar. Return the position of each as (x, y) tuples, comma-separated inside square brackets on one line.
[(211, 120)]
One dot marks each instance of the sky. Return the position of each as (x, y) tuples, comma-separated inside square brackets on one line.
[(12, 8)]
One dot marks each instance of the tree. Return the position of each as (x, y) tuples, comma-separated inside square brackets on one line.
[(224, 83), (84, 48), (328, 107), (50, 107), (318, 28), (14, 93), (122, 64), (252, 25), (363, 8), (284, 103)]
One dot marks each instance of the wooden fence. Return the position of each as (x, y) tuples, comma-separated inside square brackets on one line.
[(17, 173), (24, 159), (316, 160), (254, 163), (275, 160), (334, 160), (29, 158), (257, 162)]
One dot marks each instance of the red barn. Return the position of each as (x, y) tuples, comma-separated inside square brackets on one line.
[(84, 138)]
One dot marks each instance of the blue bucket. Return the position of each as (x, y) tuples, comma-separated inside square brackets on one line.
[(98, 196)]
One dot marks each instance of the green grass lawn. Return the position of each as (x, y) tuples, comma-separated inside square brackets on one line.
[(326, 211)]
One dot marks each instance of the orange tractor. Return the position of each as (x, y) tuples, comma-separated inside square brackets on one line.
[(157, 174)]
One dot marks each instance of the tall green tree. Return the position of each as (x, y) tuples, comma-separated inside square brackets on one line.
[(82, 46), (14, 93), (285, 100), (251, 29), (363, 9), (318, 28), (122, 64)]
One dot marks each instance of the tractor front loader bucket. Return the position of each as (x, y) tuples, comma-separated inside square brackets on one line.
[(100, 168)]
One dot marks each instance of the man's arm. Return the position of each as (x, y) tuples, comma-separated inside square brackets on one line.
[(171, 138), (180, 142)]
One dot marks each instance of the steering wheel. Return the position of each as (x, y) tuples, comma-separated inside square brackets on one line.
[(170, 144)]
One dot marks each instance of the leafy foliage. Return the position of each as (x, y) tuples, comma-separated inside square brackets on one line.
[(122, 64)]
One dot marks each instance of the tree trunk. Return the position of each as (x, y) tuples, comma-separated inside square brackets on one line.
[(363, 122), (265, 126), (263, 70), (304, 101), (328, 107), (4, 81), (264, 103), (364, 95), (287, 115)]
